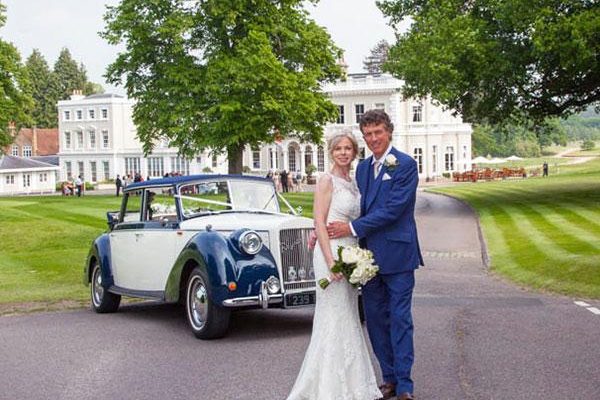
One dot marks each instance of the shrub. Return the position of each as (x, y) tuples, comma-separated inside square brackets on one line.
[(588, 144), (246, 169), (310, 169), (207, 170)]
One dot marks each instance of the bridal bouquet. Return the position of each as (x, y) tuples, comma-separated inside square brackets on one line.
[(356, 264)]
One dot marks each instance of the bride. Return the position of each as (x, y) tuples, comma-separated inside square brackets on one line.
[(337, 363)]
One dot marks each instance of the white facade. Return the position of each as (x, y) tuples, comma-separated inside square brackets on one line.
[(97, 139), (24, 176), (439, 141)]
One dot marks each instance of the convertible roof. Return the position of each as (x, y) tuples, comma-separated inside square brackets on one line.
[(179, 180)]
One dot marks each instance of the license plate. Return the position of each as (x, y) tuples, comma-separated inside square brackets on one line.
[(299, 299)]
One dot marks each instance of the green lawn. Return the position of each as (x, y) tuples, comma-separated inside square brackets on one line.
[(543, 232)]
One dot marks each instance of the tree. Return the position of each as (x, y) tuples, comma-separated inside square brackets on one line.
[(68, 74), (221, 75), (374, 62), (15, 93), (489, 59), (44, 90)]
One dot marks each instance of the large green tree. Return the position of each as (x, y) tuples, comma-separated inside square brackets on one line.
[(489, 59), (15, 96), (222, 74), (44, 89), (68, 74)]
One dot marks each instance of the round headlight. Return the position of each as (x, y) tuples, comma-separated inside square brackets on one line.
[(273, 285), (250, 242)]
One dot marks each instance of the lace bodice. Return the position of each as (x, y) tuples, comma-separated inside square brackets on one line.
[(345, 201)]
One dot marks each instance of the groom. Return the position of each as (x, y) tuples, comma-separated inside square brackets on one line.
[(388, 183)]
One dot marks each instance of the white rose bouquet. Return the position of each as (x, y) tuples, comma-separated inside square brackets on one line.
[(356, 264)]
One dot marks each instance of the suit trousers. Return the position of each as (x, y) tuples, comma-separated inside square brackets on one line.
[(387, 301)]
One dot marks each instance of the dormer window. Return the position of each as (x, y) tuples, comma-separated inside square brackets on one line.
[(67, 115), (79, 114)]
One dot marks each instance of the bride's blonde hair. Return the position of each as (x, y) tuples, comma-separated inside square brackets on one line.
[(337, 138)]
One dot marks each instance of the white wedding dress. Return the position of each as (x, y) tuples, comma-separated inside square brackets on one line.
[(337, 363)]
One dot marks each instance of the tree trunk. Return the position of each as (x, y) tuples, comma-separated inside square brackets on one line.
[(235, 155)]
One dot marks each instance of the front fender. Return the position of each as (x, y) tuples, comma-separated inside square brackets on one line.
[(100, 251), (224, 263)]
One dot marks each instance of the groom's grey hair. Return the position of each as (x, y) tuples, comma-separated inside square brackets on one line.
[(376, 117)]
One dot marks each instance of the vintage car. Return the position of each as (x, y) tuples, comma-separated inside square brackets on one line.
[(215, 243)]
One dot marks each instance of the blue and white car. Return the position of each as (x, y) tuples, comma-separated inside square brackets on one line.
[(216, 243)]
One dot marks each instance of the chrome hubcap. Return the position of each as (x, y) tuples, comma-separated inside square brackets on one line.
[(97, 289), (197, 303)]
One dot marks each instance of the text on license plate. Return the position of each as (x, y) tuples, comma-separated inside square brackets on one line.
[(299, 299)]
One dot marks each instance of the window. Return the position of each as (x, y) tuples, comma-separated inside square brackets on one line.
[(80, 169), (256, 157), (27, 151), (67, 140), (181, 165), (418, 156), (132, 165), (93, 171), (79, 139), (449, 158), (417, 113), (214, 161), (291, 158), (27, 180), (320, 159), (340, 118), (67, 115), (359, 111), (133, 207), (106, 169), (434, 159), (43, 177), (79, 114), (380, 106), (92, 114), (15, 150), (69, 169), (92, 139), (361, 154), (10, 179), (156, 167), (308, 159), (158, 206), (104, 113), (105, 142)]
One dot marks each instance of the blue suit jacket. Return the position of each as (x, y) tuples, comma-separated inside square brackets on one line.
[(387, 224)]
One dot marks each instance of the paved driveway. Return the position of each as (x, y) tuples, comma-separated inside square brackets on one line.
[(477, 337)]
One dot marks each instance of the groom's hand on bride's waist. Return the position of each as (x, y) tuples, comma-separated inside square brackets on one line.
[(337, 230)]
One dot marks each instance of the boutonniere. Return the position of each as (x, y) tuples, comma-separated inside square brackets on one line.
[(390, 162)]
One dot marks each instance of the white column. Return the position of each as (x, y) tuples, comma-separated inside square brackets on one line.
[(286, 160), (302, 166)]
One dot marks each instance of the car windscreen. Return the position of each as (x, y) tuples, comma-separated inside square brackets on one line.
[(217, 196)]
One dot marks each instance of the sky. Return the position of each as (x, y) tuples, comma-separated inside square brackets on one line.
[(49, 25)]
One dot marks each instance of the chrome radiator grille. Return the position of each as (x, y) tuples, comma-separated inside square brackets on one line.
[(296, 259)]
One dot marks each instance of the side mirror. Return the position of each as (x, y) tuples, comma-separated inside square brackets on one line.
[(112, 219)]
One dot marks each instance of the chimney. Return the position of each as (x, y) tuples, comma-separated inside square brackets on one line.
[(344, 66), (12, 129), (34, 142), (77, 94)]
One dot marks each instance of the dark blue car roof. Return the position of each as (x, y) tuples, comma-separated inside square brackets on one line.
[(178, 180)]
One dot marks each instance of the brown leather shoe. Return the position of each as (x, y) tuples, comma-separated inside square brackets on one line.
[(405, 396), (388, 390)]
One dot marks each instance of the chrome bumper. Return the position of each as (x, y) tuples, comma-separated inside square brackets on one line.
[(263, 299)]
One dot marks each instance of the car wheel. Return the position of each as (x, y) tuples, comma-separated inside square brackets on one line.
[(102, 300), (207, 320)]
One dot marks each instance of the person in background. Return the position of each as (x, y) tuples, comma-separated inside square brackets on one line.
[(79, 185), (545, 169), (118, 184), (284, 181)]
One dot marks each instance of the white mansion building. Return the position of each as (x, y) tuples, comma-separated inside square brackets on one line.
[(98, 137)]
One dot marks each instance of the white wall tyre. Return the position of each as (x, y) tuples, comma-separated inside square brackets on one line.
[(206, 319), (102, 300)]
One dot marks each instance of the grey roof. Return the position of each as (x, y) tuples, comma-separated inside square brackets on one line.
[(105, 96), (46, 159), (12, 162)]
